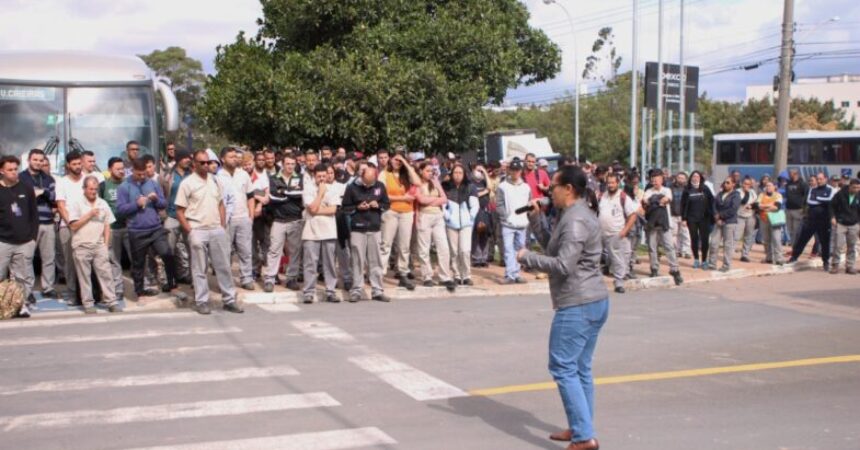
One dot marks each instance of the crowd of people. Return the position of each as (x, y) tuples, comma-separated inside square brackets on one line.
[(347, 218)]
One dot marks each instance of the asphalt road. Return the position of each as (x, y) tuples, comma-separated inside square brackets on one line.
[(409, 374)]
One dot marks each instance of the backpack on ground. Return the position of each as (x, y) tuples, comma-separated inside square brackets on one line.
[(12, 297)]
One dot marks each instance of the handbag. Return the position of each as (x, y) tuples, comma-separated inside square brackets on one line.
[(776, 218)]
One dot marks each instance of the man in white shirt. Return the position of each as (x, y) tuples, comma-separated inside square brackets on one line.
[(342, 250), (89, 221), (319, 235), (240, 222), (89, 166), (659, 229), (617, 217), (262, 219), (70, 189), (203, 217)]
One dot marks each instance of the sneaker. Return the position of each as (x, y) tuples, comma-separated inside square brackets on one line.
[(233, 308), (49, 294), (620, 290), (851, 271), (31, 299), (655, 274), (507, 280), (428, 283), (631, 276), (203, 308), (468, 282), (354, 297), (458, 281), (115, 308), (24, 312), (90, 310), (248, 286), (724, 269), (381, 298), (696, 264), (450, 285), (676, 275), (308, 300), (745, 259), (332, 298), (404, 282), (167, 288), (410, 276), (150, 292), (707, 266), (826, 267), (268, 286), (293, 285), (834, 270), (347, 286), (520, 280)]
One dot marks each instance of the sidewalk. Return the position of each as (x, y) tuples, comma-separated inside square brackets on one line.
[(486, 283)]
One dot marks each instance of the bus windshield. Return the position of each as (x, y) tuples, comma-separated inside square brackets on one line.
[(29, 118), (100, 119)]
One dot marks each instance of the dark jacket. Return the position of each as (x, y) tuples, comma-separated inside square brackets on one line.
[(845, 213), (45, 202), (818, 204), (368, 220), (285, 197), (656, 216), (19, 214), (726, 209), (697, 205), (677, 199), (795, 194)]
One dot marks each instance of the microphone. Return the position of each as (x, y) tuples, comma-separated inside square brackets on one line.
[(542, 202)]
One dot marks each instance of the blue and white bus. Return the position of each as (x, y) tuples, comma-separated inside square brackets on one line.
[(831, 152)]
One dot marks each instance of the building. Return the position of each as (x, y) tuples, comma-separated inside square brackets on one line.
[(843, 90)]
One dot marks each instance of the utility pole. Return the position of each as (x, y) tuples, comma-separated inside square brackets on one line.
[(659, 130), (634, 94), (682, 111), (784, 103)]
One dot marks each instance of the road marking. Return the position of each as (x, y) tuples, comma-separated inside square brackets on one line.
[(170, 352), (279, 307), (172, 411), (417, 384), (114, 337), (152, 380), (325, 440), (690, 373), (323, 331), (100, 318)]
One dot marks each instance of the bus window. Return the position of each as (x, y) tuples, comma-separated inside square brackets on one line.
[(830, 151), (800, 152), (763, 153), (726, 154)]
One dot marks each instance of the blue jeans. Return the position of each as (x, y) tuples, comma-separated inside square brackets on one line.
[(571, 346), (514, 239)]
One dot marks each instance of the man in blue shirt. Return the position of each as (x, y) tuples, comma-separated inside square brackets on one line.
[(139, 199)]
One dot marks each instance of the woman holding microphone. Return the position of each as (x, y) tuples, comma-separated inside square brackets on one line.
[(579, 297)]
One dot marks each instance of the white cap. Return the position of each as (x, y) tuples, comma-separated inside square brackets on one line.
[(543, 163), (212, 156)]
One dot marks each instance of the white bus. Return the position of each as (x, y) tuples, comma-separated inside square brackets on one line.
[(63, 101), (831, 152)]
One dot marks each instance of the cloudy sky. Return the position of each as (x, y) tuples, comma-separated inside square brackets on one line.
[(719, 33)]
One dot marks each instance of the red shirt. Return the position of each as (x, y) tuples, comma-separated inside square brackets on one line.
[(534, 178)]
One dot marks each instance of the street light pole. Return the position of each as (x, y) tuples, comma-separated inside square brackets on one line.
[(633, 84), (575, 79), (659, 132), (784, 102), (682, 106)]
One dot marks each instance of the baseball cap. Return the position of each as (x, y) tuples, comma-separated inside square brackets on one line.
[(212, 156), (543, 163), (515, 164)]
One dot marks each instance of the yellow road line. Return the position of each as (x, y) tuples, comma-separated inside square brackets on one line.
[(654, 376)]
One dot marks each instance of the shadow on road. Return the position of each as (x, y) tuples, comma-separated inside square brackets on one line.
[(505, 418)]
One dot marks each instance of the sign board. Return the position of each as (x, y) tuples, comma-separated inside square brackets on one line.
[(672, 87), (27, 94)]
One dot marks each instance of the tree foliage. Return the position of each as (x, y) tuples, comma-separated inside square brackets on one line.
[(602, 51), (373, 73)]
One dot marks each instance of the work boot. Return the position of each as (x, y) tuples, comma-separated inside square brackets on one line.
[(203, 308), (405, 282), (233, 308), (676, 275), (381, 298), (268, 286)]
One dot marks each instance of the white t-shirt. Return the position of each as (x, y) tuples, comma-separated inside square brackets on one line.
[(99, 176), (612, 215), (321, 228), (666, 192), (70, 192), (240, 182), (92, 233), (262, 181)]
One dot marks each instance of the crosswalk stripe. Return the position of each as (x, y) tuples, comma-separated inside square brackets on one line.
[(172, 411), (100, 318), (323, 440), (174, 351), (417, 384), (114, 337), (154, 379), (323, 331), (279, 307)]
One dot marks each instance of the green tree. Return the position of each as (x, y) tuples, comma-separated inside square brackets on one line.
[(374, 73), (603, 49), (188, 81)]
